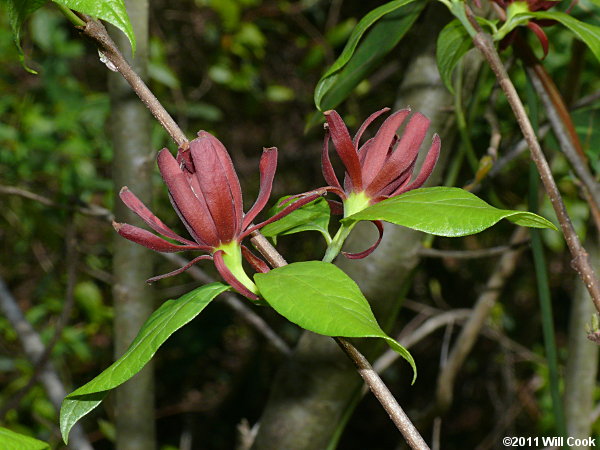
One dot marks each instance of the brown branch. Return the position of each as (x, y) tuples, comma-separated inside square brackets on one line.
[(581, 261), (96, 31), (383, 394)]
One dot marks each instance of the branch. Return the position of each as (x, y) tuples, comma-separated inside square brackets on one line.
[(481, 310), (470, 254), (383, 394), (34, 350), (97, 32), (581, 261)]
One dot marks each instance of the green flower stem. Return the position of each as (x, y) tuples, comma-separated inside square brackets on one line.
[(457, 8), (356, 202), (335, 247), (232, 258), (70, 15)]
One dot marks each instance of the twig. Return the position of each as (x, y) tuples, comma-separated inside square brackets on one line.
[(90, 210), (383, 394), (43, 359), (96, 31), (468, 336), (470, 254), (581, 261), (34, 349), (562, 124)]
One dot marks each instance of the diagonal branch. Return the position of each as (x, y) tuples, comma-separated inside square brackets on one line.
[(581, 261), (34, 350), (96, 31)]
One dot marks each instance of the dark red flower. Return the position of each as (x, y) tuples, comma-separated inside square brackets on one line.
[(510, 7), (205, 192), (380, 168)]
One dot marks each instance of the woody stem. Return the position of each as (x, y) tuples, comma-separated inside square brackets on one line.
[(96, 31)]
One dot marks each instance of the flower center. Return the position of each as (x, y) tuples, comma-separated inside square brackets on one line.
[(356, 202), (232, 257)]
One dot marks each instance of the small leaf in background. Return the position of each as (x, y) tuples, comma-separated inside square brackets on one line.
[(452, 43), (445, 211), (313, 216), (171, 316), (111, 11), (320, 297), (386, 26), (18, 11), (589, 34), (15, 441)]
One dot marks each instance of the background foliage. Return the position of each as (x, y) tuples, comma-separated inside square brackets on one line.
[(246, 70)]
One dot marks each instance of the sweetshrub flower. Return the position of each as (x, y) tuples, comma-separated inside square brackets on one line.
[(205, 192), (511, 7), (380, 168)]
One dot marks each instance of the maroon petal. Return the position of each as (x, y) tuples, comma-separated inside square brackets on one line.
[(196, 214), (326, 167), (180, 270), (219, 184), (285, 211), (336, 191), (152, 241), (230, 278), (370, 250), (268, 165), (381, 144), (337, 208), (344, 147), (257, 264), (365, 124), (540, 35), (138, 207), (406, 152), (426, 168)]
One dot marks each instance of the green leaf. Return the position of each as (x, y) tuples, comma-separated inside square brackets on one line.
[(589, 34), (171, 316), (320, 297), (445, 211), (15, 441), (452, 43), (313, 216), (386, 25), (111, 11), (18, 11)]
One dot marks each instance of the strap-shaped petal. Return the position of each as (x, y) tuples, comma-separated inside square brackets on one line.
[(370, 250), (230, 278), (309, 197), (219, 184), (138, 207), (365, 124), (344, 147), (426, 168), (257, 264), (377, 153), (180, 270), (152, 241), (196, 214), (326, 167), (268, 166), (406, 152)]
